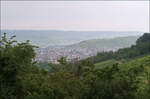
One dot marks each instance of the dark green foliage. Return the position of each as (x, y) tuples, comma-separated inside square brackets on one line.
[(15, 61), (144, 39), (20, 78)]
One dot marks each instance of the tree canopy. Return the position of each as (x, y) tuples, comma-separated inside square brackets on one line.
[(20, 78)]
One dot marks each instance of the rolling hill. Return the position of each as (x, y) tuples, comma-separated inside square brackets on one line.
[(118, 42), (85, 49), (45, 38)]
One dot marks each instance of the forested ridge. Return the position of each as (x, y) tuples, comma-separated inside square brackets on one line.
[(128, 78), (142, 47)]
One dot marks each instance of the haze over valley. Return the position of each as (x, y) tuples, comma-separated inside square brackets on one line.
[(54, 44), (72, 49), (46, 38)]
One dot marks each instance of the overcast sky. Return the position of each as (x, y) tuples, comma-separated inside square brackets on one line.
[(76, 15)]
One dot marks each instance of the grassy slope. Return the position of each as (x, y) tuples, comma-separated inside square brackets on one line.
[(144, 60), (105, 63)]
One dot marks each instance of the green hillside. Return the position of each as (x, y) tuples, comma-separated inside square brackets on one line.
[(137, 71), (45, 38), (135, 63), (105, 63), (134, 73), (141, 47), (145, 60), (21, 78), (118, 42)]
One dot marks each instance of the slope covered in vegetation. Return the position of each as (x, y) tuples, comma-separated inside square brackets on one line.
[(20, 78), (105, 63), (141, 47)]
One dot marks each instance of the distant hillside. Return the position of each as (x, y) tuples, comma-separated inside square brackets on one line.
[(141, 47), (84, 49), (119, 42), (45, 38)]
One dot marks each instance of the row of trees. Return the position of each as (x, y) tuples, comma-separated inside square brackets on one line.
[(20, 78)]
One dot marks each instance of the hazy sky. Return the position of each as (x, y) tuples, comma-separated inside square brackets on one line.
[(76, 15)]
